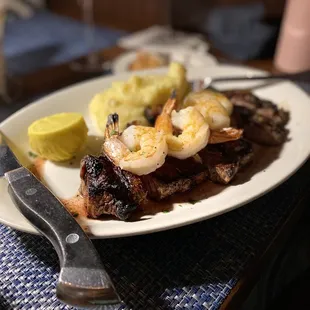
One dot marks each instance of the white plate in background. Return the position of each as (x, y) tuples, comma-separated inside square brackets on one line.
[(187, 57), (164, 37)]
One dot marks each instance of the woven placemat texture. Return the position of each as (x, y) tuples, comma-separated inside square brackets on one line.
[(193, 267)]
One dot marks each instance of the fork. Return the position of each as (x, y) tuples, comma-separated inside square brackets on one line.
[(303, 76)]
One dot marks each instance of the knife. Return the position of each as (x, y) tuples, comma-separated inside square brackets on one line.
[(83, 280)]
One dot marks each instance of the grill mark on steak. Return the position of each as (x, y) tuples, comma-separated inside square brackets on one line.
[(109, 190), (158, 190), (174, 169), (221, 161), (224, 160)]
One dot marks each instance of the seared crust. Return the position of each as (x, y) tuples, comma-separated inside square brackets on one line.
[(263, 122), (158, 190), (224, 160), (109, 190)]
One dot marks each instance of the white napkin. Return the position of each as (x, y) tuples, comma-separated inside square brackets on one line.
[(163, 37)]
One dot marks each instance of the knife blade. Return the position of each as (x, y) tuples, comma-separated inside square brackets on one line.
[(83, 280)]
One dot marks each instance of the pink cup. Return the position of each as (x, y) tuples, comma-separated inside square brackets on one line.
[(293, 47)]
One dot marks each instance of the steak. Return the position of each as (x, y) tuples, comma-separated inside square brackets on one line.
[(158, 190), (263, 122), (107, 189), (224, 160), (174, 176)]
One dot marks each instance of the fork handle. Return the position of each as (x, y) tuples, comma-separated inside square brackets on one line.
[(299, 76), (82, 280)]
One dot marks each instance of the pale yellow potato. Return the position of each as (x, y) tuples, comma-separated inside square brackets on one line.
[(58, 137), (129, 98)]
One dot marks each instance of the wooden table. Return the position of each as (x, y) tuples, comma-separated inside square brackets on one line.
[(50, 79)]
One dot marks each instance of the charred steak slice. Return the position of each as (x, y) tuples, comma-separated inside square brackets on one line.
[(158, 190), (263, 121), (224, 160), (174, 176), (109, 190), (263, 107), (217, 162), (221, 169), (239, 150), (174, 169)]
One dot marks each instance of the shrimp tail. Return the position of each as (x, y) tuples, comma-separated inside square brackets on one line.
[(225, 135), (173, 94), (171, 103), (163, 121), (112, 126)]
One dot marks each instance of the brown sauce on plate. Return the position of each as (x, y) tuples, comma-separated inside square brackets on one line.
[(37, 167), (75, 205)]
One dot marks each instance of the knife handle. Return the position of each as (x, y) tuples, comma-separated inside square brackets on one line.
[(82, 280)]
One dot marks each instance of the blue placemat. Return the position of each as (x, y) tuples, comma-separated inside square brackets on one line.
[(193, 267), (48, 39)]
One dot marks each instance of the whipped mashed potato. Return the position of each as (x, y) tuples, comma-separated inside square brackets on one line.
[(129, 98)]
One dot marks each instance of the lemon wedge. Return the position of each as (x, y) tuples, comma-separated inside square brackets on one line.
[(58, 137)]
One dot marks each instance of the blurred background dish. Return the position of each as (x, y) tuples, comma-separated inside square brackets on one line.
[(148, 60), (164, 37), (160, 57)]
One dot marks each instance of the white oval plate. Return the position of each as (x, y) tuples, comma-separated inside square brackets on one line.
[(271, 167), (188, 57)]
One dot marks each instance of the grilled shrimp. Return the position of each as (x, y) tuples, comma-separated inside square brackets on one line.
[(194, 129), (213, 106), (140, 150), (222, 99)]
